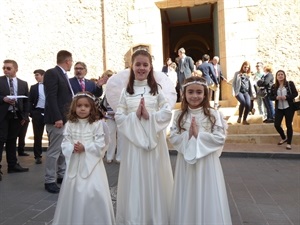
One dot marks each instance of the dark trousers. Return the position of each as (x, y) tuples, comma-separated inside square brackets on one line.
[(9, 130), (244, 108), (270, 107), (21, 137), (38, 126), (288, 114)]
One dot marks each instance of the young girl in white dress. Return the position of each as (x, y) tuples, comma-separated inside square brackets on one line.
[(198, 134), (145, 176), (84, 196)]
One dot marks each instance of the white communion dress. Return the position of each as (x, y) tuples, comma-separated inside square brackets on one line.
[(145, 177), (84, 197), (199, 193)]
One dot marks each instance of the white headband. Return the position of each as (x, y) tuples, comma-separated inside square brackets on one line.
[(85, 95), (194, 82)]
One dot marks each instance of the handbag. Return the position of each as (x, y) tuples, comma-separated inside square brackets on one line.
[(261, 92), (296, 106)]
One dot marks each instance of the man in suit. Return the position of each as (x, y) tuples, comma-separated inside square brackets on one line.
[(208, 73), (79, 83), (13, 113), (185, 66), (58, 93), (219, 75), (36, 107)]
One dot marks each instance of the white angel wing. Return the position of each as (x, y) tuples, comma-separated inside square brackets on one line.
[(117, 82)]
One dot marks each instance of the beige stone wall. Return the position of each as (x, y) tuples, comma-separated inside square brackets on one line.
[(32, 32)]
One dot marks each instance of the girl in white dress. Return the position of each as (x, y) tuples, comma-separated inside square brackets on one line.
[(198, 134), (145, 176), (84, 196)]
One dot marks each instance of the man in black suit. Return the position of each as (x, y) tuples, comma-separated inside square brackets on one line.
[(79, 83), (37, 106), (208, 73), (13, 113), (59, 95)]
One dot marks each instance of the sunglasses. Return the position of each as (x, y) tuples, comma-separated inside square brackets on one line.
[(6, 68), (79, 68)]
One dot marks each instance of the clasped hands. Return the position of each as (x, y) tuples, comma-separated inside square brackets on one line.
[(142, 111), (78, 148), (281, 97), (193, 131)]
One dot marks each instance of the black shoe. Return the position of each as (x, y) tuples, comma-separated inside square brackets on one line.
[(59, 180), (239, 120), (23, 154), (52, 188), (269, 121), (17, 169), (38, 161)]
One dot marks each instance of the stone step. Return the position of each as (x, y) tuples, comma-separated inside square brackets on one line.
[(257, 129), (272, 139)]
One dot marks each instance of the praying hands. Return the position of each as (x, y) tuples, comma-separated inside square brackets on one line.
[(142, 111)]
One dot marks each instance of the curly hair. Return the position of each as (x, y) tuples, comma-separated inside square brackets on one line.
[(205, 103), (95, 114)]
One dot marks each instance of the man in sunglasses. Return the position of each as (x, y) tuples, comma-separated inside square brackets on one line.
[(13, 113)]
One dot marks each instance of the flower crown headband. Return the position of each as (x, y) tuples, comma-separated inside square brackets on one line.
[(85, 95), (194, 82)]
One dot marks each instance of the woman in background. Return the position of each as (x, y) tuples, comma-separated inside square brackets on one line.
[(284, 92)]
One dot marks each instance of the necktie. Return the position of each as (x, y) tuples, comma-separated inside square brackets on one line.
[(12, 92), (11, 86), (82, 84)]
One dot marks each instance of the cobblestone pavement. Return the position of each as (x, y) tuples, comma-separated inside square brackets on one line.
[(261, 190)]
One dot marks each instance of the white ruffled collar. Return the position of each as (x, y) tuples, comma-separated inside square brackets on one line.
[(140, 83)]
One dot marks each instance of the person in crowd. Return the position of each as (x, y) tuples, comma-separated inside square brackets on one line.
[(80, 83), (197, 73), (58, 93), (145, 178), (166, 67), (219, 77), (284, 92), (259, 99), (13, 114), (185, 66), (198, 63), (242, 91), (172, 73), (115, 136), (37, 106), (198, 134), (265, 84), (21, 139), (208, 73), (84, 197)]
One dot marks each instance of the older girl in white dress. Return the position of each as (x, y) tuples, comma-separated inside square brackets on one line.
[(84, 196), (145, 177), (198, 134)]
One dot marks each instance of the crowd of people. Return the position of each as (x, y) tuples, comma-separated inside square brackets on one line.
[(83, 130)]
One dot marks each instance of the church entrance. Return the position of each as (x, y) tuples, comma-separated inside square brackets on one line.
[(193, 28)]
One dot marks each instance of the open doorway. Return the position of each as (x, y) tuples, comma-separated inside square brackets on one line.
[(193, 28)]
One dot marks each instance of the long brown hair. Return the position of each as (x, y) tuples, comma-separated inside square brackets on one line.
[(277, 82), (150, 78), (246, 63), (94, 113), (205, 103)]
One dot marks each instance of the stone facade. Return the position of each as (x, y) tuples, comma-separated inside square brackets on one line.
[(101, 32)]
